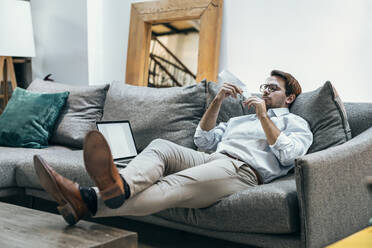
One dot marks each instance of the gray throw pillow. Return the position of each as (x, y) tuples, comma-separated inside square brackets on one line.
[(83, 108), (167, 113), (325, 112)]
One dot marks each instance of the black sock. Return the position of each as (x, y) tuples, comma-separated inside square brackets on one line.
[(126, 188), (89, 196)]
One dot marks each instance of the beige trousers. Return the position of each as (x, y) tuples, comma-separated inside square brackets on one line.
[(166, 175)]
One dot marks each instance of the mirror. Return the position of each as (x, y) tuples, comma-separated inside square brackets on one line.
[(146, 16), (173, 54)]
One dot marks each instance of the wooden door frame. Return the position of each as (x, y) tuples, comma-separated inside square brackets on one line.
[(144, 14)]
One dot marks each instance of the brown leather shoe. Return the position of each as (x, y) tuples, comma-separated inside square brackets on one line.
[(65, 192), (101, 168)]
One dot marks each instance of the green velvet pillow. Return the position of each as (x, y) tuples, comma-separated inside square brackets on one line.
[(29, 118)]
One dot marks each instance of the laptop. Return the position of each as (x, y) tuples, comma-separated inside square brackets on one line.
[(119, 136)]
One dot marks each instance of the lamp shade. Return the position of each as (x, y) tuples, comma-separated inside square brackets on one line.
[(16, 34)]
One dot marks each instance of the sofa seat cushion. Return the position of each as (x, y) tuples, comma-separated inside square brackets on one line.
[(12, 156), (268, 208), (68, 163), (9, 157)]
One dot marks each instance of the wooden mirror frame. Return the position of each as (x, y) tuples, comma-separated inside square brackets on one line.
[(144, 14)]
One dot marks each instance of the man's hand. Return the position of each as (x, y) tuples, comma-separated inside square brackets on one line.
[(259, 104), (228, 89), (272, 132), (208, 121)]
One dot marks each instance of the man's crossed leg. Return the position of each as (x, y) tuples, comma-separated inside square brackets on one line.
[(164, 175)]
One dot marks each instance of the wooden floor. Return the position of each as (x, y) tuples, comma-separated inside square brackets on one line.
[(149, 236)]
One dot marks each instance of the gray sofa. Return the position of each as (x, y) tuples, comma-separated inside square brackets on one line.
[(320, 202)]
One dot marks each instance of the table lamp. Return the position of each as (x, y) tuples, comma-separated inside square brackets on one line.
[(16, 40)]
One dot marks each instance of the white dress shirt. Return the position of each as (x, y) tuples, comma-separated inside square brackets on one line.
[(244, 138)]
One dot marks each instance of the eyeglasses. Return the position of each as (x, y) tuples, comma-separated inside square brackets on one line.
[(269, 87)]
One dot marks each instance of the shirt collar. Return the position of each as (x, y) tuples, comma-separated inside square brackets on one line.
[(278, 111)]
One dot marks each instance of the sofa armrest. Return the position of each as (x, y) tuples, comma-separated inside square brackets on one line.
[(333, 199)]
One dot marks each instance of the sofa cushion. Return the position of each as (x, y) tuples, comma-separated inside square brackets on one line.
[(9, 157), (69, 163), (12, 156), (168, 113), (326, 115), (359, 116), (29, 118), (268, 208), (83, 108)]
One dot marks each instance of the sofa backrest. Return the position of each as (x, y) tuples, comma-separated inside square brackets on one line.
[(359, 116), (167, 113), (174, 113)]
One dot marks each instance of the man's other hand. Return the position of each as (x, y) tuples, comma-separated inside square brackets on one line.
[(259, 104)]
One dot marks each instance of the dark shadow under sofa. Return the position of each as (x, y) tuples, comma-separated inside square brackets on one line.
[(320, 202)]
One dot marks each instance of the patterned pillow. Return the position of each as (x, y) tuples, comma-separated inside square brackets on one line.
[(325, 112)]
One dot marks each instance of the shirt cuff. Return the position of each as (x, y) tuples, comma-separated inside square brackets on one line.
[(199, 132)]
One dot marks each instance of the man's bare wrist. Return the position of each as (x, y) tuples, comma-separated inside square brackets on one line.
[(217, 100), (263, 116)]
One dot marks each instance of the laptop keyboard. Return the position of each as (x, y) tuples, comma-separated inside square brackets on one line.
[(122, 163)]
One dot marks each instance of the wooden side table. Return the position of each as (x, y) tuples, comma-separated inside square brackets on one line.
[(24, 227)]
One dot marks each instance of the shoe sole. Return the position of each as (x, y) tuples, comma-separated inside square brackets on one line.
[(50, 185), (99, 165)]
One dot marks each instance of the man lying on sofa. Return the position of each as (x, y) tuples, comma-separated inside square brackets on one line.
[(250, 150)]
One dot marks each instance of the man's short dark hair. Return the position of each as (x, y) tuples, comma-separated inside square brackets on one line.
[(292, 86)]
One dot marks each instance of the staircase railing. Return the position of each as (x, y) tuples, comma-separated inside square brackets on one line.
[(165, 69)]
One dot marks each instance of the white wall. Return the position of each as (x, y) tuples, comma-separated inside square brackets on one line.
[(314, 40), (95, 41), (108, 56), (60, 40)]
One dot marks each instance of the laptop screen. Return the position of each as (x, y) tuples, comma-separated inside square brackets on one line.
[(119, 137)]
